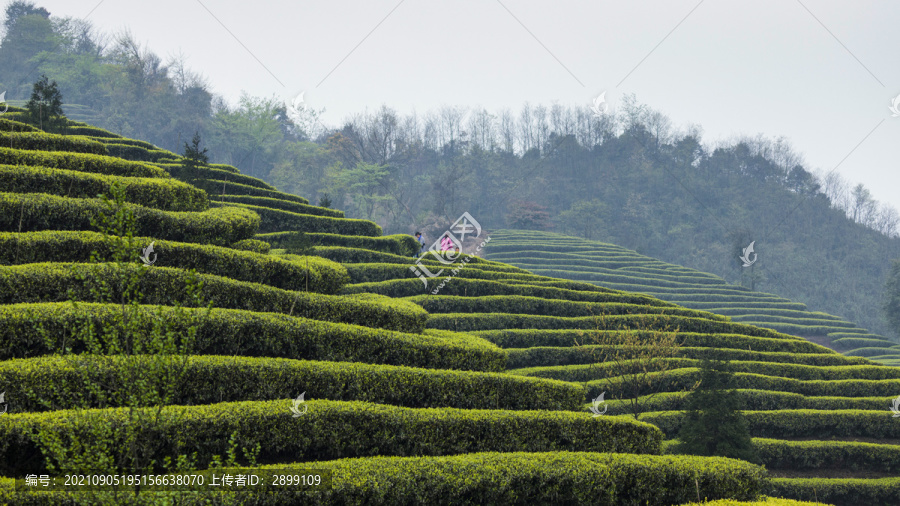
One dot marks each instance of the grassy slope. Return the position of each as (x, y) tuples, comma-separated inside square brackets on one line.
[(617, 267), (491, 420)]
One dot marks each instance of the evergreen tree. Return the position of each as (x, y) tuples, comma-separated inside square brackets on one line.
[(713, 424), (193, 159), (45, 107)]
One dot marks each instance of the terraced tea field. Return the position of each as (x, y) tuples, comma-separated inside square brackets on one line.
[(616, 267), (476, 395)]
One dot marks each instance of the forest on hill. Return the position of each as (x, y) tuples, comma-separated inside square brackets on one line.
[(631, 177)]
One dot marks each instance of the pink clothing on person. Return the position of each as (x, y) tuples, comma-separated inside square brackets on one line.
[(446, 243)]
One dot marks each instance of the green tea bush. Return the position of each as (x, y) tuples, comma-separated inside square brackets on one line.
[(138, 153), (497, 478), (283, 205), (873, 352), (216, 174), (684, 379), (374, 273), (226, 187), (400, 244), (238, 332), (484, 287), (528, 338), (843, 455), (588, 372), (256, 246), (8, 125), (759, 400), (319, 274), (274, 220), (212, 379), (800, 423), (465, 322), (42, 141), (90, 131), (55, 282), (570, 355), (335, 429), (519, 304), (82, 162), (36, 211), (838, 491), (165, 194)]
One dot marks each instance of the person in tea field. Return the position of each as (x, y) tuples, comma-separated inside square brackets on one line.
[(421, 241), (446, 243)]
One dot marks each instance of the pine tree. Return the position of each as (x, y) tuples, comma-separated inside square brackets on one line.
[(45, 107), (714, 425), (193, 159)]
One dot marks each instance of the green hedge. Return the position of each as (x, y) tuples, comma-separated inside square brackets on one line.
[(464, 322), (81, 162), (842, 455), (215, 174), (130, 142), (29, 212), (333, 429), (873, 352), (284, 205), (42, 141), (253, 245), (374, 273), (861, 342), (519, 304), (838, 491), (634, 278), (233, 170), (797, 330), (211, 379), (716, 307), (8, 125), (226, 187), (359, 256), (165, 194), (756, 400), (491, 478), (529, 338), (274, 220), (400, 244), (90, 131), (56, 282), (586, 352), (245, 333), (137, 153), (323, 276), (685, 379), (800, 423), (589, 372), (484, 287)]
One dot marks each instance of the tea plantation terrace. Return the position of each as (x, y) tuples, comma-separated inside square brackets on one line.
[(623, 269), (475, 395)]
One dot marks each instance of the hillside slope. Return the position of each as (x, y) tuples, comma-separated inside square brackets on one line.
[(616, 267), (476, 395)]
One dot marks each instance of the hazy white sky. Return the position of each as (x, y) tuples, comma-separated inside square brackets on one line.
[(823, 73)]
